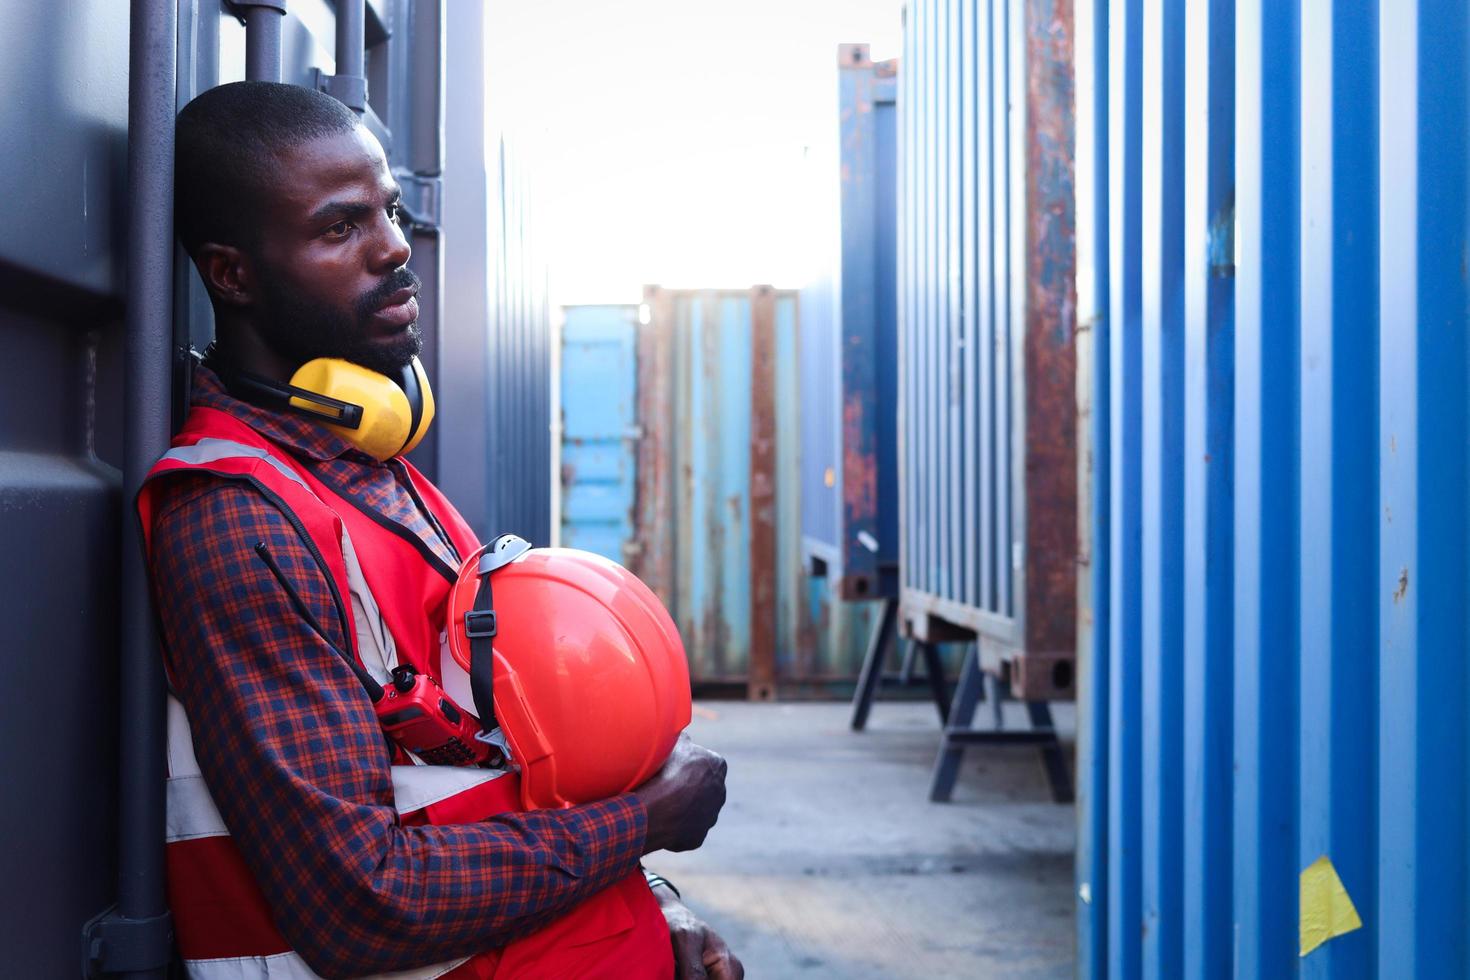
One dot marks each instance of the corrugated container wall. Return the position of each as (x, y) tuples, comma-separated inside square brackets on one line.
[(65, 69), (493, 456), (987, 413), (718, 499), (517, 376), (1276, 200), (849, 338)]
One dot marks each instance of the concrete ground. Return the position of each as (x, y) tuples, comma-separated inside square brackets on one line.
[(830, 862)]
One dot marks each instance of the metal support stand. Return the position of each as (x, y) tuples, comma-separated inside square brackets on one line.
[(872, 676), (959, 733)]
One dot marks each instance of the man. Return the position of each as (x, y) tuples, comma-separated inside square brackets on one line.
[(298, 844)]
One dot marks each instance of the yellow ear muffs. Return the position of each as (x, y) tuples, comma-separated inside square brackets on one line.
[(381, 417)]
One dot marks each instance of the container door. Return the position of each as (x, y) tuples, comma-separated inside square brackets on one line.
[(599, 431)]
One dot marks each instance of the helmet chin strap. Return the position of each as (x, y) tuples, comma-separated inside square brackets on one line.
[(480, 626)]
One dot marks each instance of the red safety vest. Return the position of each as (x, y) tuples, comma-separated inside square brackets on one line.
[(396, 604)]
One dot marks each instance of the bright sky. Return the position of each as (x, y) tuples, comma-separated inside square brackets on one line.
[(688, 143)]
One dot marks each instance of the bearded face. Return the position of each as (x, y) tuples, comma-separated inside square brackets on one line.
[(300, 326)]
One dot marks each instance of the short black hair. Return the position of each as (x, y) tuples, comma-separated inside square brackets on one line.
[(226, 141)]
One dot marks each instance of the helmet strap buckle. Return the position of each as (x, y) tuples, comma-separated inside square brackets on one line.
[(479, 624)]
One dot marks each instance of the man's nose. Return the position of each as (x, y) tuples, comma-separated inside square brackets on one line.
[(394, 250)]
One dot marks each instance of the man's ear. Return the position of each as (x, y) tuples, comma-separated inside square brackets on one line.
[(228, 273)]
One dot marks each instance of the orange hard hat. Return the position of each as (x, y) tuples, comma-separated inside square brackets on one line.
[(588, 678)]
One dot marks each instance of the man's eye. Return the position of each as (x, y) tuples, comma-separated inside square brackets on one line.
[(393, 213), (339, 230)]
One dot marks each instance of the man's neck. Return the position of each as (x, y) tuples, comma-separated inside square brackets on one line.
[(239, 345)]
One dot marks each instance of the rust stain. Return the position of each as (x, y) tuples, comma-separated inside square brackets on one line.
[(859, 462), (763, 551), (1403, 589), (1050, 342), (653, 499)]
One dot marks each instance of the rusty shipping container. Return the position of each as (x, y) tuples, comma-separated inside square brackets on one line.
[(987, 409), (716, 522), (849, 356)]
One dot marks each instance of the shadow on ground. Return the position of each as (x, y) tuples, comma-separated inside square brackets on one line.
[(830, 862)]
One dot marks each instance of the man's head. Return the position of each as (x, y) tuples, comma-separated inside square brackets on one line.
[(286, 204)]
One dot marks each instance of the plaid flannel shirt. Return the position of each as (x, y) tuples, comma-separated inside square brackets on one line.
[(292, 752)]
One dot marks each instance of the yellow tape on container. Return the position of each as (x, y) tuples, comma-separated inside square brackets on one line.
[(1326, 909)]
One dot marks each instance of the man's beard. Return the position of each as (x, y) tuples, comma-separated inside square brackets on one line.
[(301, 329)]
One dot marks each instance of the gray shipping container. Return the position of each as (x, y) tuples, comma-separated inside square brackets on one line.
[(67, 468), (987, 415)]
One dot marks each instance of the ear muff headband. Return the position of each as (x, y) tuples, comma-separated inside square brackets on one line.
[(376, 414)]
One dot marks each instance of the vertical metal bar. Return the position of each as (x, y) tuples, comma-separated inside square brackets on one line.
[(1162, 452), (263, 25), (1045, 500), (1401, 791), (933, 202), (1208, 654), (1093, 721), (1424, 812), (1125, 90), (149, 318), (962, 195), (967, 590), (351, 40), (906, 93), (985, 332), (959, 202), (1266, 498), (458, 260), (1338, 473), (1000, 254), (761, 672), (1007, 383)]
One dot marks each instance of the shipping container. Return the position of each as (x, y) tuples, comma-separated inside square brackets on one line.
[(849, 353), (1275, 202), (100, 310), (716, 528), (598, 426), (987, 419)]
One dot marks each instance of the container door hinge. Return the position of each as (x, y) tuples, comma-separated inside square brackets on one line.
[(350, 90), (421, 197), (114, 944)]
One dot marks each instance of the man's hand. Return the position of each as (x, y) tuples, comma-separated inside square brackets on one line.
[(699, 952), (684, 798)]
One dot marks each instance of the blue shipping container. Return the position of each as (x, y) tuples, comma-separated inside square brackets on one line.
[(849, 352), (598, 429), (1275, 200)]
